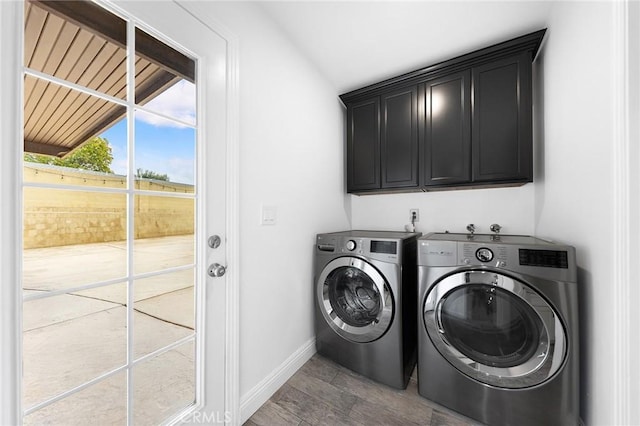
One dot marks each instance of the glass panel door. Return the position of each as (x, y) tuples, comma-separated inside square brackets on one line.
[(110, 215)]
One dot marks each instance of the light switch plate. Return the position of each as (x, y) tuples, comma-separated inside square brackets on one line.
[(269, 215)]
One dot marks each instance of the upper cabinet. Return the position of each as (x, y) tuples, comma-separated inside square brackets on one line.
[(502, 130), (399, 138), (446, 130), (363, 148), (462, 122), (382, 141)]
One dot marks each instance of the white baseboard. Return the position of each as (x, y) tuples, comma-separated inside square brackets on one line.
[(256, 397)]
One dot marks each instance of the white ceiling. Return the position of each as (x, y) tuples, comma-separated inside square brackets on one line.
[(356, 43)]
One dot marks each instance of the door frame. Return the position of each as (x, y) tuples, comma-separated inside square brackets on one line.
[(10, 178), (11, 47)]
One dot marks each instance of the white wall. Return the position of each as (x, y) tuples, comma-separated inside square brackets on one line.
[(290, 157), (574, 182), (512, 208)]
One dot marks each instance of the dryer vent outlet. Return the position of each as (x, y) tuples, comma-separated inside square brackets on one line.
[(414, 215)]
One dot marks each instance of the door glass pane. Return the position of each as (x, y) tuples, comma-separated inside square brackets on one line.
[(164, 385), (72, 238), (58, 43), (58, 119), (168, 90), (69, 339), (99, 162), (490, 325), (164, 310), (165, 154), (354, 296), (164, 233), (103, 403)]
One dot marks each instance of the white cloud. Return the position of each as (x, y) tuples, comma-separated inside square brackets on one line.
[(119, 166), (179, 101), (181, 170)]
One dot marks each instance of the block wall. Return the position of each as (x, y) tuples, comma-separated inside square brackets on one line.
[(56, 217)]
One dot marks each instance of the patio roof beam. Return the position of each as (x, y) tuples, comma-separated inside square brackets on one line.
[(45, 149)]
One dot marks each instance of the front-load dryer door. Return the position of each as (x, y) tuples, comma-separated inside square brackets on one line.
[(355, 299), (495, 329)]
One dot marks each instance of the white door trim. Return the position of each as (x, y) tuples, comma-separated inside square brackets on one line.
[(626, 208), (232, 344), (10, 175)]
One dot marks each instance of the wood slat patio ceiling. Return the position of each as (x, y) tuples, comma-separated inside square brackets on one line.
[(84, 44)]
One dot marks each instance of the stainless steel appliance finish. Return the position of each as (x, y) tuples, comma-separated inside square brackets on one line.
[(365, 302), (498, 328)]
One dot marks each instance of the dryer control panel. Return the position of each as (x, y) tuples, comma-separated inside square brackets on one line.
[(453, 253), (517, 253), (437, 253), (479, 254)]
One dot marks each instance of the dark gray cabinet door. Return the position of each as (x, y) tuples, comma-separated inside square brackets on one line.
[(399, 138), (446, 131), (502, 129), (363, 145)]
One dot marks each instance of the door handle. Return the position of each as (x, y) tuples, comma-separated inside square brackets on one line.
[(216, 270)]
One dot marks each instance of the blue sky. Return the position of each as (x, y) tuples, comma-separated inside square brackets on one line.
[(163, 146)]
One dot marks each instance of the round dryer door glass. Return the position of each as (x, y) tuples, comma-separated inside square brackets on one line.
[(355, 299), (495, 329), (490, 325)]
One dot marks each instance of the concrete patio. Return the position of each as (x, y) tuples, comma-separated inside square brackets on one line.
[(72, 338)]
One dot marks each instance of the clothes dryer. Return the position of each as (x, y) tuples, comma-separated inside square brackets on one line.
[(365, 302), (498, 328)]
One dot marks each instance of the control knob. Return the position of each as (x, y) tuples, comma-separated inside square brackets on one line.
[(484, 255), (351, 245)]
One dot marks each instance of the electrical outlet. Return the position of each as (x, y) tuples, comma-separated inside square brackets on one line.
[(414, 213)]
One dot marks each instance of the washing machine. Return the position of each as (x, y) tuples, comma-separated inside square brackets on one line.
[(365, 302), (498, 328)]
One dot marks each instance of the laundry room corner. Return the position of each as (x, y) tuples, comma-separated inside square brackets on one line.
[(578, 187)]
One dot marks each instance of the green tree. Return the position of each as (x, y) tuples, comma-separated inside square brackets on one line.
[(95, 155), (149, 174)]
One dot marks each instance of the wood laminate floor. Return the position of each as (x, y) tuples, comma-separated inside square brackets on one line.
[(325, 393)]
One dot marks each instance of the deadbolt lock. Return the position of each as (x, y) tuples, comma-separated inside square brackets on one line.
[(214, 241)]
